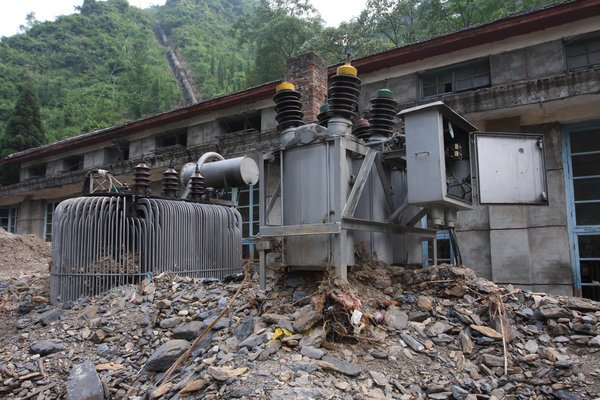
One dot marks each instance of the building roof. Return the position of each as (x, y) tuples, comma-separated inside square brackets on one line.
[(511, 26)]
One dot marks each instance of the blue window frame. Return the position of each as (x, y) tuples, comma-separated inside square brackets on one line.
[(438, 250), (48, 215), (247, 199), (583, 53), (581, 155), (8, 218)]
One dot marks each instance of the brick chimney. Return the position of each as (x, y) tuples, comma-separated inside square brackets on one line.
[(308, 72)]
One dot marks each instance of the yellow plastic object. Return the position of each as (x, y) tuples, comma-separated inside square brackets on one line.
[(347, 69), (279, 333), (285, 86)]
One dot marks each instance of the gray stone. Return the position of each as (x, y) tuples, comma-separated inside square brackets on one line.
[(254, 341), (531, 346), (300, 393), (341, 366), (493, 361), (166, 354), (465, 342), (170, 322), (187, 330), (46, 347), (306, 367), (314, 338), (595, 342), (438, 328), (50, 316), (84, 383), (379, 378), (380, 353), (245, 329), (312, 352), (553, 311), (221, 324), (299, 298), (418, 316), (271, 348), (459, 393), (306, 319), (412, 342), (395, 318), (103, 350)]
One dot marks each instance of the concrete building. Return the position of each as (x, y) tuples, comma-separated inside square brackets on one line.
[(537, 72)]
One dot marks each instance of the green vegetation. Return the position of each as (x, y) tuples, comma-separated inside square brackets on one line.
[(23, 130), (93, 69), (103, 65)]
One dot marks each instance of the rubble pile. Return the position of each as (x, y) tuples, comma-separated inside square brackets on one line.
[(22, 253), (433, 333)]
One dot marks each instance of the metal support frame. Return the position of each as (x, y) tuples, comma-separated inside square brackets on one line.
[(343, 208)]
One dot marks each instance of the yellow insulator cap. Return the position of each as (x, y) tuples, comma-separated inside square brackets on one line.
[(347, 69), (284, 86)]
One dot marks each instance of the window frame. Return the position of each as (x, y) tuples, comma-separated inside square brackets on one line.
[(12, 218), (595, 37), (453, 71)]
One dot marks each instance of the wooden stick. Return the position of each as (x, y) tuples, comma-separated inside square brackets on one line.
[(184, 357)]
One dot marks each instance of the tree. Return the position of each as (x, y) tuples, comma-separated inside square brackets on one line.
[(278, 29), (23, 131)]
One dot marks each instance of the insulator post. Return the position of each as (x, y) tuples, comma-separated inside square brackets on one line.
[(170, 182), (383, 114), (288, 108), (324, 114), (196, 186), (343, 92), (362, 129), (141, 179)]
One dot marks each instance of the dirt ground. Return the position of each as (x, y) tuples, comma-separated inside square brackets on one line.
[(22, 255)]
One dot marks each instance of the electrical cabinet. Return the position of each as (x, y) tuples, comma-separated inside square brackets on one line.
[(438, 157)]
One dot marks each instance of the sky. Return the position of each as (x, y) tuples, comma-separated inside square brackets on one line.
[(13, 13)]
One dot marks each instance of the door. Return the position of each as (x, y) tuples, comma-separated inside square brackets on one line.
[(581, 153)]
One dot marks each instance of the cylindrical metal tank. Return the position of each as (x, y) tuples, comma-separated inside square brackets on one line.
[(234, 172)]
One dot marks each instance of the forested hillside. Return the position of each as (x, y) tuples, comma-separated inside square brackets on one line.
[(103, 65)]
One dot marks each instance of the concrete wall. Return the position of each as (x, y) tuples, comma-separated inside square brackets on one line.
[(203, 134)]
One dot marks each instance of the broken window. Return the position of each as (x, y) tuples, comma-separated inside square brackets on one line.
[(8, 218), (583, 53), (245, 123), (73, 163), (37, 171), (116, 153), (456, 79), (171, 141)]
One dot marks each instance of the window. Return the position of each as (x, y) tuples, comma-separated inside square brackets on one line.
[(171, 141), (456, 79), (583, 53), (73, 163), (247, 199), (242, 123), (116, 154), (50, 208), (443, 250), (37, 171), (582, 168), (8, 218)]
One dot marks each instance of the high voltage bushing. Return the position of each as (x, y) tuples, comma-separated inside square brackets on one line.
[(344, 91), (362, 129), (170, 182), (383, 114), (324, 114), (288, 108), (196, 186), (141, 179)]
